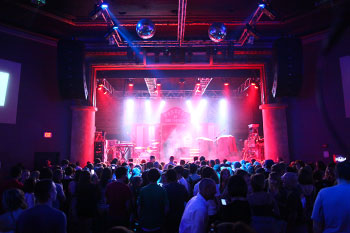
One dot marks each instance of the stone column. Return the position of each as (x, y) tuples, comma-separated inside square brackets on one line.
[(83, 133), (275, 131)]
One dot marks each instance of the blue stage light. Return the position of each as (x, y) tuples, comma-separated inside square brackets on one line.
[(262, 5), (104, 6)]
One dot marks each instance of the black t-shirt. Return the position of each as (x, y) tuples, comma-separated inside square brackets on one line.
[(238, 210), (177, 196)]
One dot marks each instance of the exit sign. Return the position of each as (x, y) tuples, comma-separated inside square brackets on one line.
[(47, 135)]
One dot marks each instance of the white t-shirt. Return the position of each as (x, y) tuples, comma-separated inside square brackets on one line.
[(332, 208)]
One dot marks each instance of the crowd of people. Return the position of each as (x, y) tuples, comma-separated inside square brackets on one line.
[(197, 196)]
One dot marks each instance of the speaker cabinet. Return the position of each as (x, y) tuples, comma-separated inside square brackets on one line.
[(71, 69), (288, 67)]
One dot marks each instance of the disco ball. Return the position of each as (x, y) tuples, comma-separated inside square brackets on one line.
[(217, 32), (145, 29)]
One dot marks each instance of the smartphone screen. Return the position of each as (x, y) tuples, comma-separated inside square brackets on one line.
[(92, 172), (223, 201)]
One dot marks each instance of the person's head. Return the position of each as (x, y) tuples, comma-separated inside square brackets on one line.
[(237, 227), (153, 175), (45, 173), (305, 176), (171, 176), (179, 171), (106, 176), (195, 158), (217, 161), (182, 162), (25, 175), (207, 172), (237, 187), (207, 188), (343, 170), (211, 163), (85, 178), (120, 173), (97, 161), (64, 162), (268, 164), (16, 172), (57, 176), (119, 229), (171, 158), (193, 168), (274, 181), (149, 165), (224, 175), (28, 186), (330, 173), (237, 165), (257, 181), (152, 158), (290, 180), (45, 191), (320, 166), (13, 199), (68, 171), (35, 175), (203, 163), (202, 158)]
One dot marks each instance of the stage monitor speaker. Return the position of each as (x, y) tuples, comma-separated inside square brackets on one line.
[(288, 67), (41, 157), (71, 69)]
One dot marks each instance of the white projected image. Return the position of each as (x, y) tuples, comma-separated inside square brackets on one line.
[(4, 78)]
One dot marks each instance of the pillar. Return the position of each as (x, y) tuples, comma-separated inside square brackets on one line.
[(275, 132), (83, 133)]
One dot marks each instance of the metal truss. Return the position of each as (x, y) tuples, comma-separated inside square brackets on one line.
[(203, 84), (152, 86), (246, 84), (105, 85), (112, 23), (173, 94)]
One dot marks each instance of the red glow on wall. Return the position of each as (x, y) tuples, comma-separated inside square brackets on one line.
[(47, 135)]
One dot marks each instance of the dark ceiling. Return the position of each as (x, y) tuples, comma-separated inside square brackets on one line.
[(67, 18)]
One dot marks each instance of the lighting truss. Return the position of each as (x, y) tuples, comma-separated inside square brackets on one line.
[(245, 85), (203, 84), (112, 22), (152, 86), (103, 83), (173, 94)]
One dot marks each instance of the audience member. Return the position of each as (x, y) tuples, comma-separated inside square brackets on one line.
[(178, 196), (195, 218), (331, 209), (14, 204), (43, 217), (153, 204)]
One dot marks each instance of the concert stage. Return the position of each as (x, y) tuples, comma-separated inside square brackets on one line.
[(184, 128)]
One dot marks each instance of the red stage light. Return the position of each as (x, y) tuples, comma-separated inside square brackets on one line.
[(100, 88), (226, 84), (131, 84), (198, 84), (253, 84), (158, 84), (47, 135), (256, 87), (105, 92)]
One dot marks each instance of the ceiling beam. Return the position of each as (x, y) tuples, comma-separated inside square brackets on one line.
[(181, 21)]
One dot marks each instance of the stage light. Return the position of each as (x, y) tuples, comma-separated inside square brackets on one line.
[(130, 83), (262, 5), (39, 2), (253, 84), (198, 82), (226, 84), (162, 103), (159, 83), (256, 87), (105, 92), (104, 6)]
